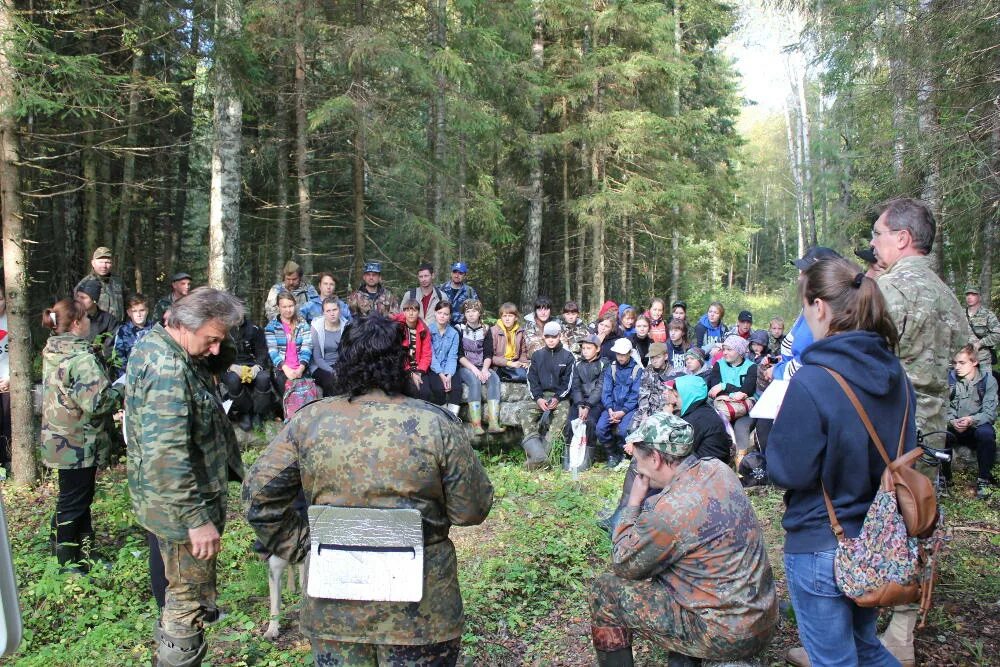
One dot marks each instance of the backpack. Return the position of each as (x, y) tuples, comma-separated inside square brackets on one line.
[(892, 560), (299, 393)]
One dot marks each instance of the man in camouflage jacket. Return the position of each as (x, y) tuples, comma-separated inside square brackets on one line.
[(932, 327), (372, 296), (985, 328), (690, 569), (370, 446), (181, 453), (113, 292)]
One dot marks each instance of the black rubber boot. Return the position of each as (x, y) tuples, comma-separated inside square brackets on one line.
[(68, 556), (89, 552), (620, 658)]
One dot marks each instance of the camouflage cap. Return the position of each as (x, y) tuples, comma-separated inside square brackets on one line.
[(657, 350), (971, 289), (665, 433), (103, 252)]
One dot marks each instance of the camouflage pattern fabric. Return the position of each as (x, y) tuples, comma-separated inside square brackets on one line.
[(191, 593), (529, 414), (533, 339), (161, 308), (986, 331), (690, 570), (181, 445), (337, 654), (112, 299), (651, 394), (932, 327), (362, 302), (383, 452), (77, 400), (572, 335)]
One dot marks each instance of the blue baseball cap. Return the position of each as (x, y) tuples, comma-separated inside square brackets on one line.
[(460, 267), (373, 267)]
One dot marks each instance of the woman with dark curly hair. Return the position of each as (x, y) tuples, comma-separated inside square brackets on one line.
[(369, 446)]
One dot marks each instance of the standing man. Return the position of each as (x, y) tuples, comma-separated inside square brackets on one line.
[(180, 285), (426, 295), (372, 296), (931, 328), (181, 454), (985, 329), (292, 283), (458, 291), (112, 288), (416, 456)]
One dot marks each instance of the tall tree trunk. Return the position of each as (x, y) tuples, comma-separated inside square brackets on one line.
[(91, 211), (122, 238), (183, 128), (992, 209), (302, 143), (358, 158), (675, 110), (898, 84), (675, 264), (927, 122), (566, 155), (533, 230), (24, 469), (281, 244), (805, 153), (227, 124), (793, 161), (437, 40), (463, 197), (581, 263)]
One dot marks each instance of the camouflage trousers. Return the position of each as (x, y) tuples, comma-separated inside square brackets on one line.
[(528, 416), (191, 593), (328, 653), (621, 607)]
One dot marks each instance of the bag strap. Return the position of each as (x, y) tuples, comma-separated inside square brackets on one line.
[(853, 398)]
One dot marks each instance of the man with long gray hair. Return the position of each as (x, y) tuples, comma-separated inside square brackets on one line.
[(181, 450)]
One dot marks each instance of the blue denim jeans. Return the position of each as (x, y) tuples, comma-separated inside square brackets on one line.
[(834, 631)]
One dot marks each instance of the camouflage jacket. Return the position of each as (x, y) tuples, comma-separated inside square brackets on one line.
[(181, 445), (160, 309), (373, 451), (362, 302), (700, 539), (533, 339), (986, 330), (932, 327), (113, 294), (572, 334), (77, 398), (651, 397)]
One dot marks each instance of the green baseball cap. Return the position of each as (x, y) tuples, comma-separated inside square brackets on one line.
[(666, 433), (972, 289)]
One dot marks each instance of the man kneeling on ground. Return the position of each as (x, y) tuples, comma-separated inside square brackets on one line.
[(690, 569)]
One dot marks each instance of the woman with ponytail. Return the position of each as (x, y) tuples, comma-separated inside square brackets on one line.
[(819, 442), (77, 398)]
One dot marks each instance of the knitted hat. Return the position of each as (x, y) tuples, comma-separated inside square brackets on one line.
[(91, 288), (695, 353), (736, 344)]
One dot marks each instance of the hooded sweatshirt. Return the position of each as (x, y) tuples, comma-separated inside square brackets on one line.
[(710, 435), (819, 437), (707, 335)]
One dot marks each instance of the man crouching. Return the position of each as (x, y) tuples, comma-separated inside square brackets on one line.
[(690, 569)]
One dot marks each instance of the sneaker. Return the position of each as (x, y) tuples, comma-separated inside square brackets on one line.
[(983, 488)]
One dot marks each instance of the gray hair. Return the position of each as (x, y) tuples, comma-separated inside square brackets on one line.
[(915, 217), (203, 305)]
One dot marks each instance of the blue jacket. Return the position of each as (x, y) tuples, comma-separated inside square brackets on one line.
[(274, 334), (126, 337), (621, 386), (707, 336), (818, 436), (444, 349), (792, 345)]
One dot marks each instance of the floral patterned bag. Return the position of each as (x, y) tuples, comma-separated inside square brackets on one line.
[(884, 566)]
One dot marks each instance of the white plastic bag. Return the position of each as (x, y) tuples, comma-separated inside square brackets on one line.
[(578, 445)]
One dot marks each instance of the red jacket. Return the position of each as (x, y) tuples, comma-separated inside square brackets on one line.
[(423, 355)]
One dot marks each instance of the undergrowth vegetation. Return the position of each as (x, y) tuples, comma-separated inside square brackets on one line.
[(524, 575)]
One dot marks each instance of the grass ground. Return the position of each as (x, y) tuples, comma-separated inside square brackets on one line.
[(524, 575)]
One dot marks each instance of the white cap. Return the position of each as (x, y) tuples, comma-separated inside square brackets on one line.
[(552, 329), (622, 346)]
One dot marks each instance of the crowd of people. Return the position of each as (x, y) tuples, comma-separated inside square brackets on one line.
[(668, 400)]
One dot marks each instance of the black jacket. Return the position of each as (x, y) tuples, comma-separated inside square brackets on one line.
[(251, 346), (551, 371), (710, 435), (749, 386), (588, 382)]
